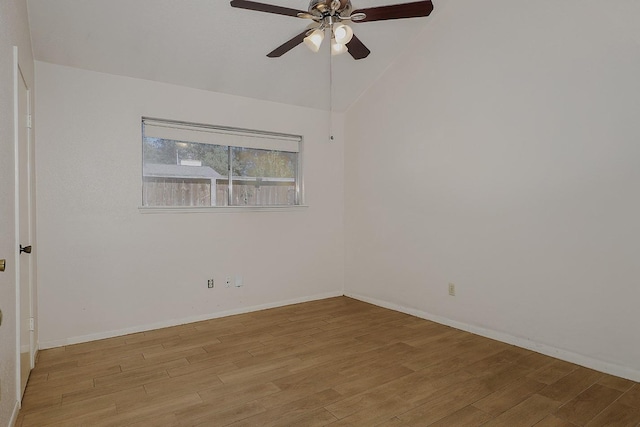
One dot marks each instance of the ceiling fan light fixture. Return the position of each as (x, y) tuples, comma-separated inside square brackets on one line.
[(330, 15), (338, 48), (314, 40), (342, 33)]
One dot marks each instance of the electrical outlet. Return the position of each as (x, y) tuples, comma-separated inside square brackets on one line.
[(228, 282), (210, 283), (452, 289), (238, 282)]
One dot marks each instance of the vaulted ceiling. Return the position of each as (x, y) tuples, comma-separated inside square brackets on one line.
[(207, 44)]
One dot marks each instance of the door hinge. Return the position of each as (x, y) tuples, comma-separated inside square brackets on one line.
[(32, 324), (29, 121)]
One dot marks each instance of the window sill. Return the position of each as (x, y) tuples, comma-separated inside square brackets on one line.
[(218, 209)]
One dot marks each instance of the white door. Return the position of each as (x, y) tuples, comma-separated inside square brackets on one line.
[(24, 232)]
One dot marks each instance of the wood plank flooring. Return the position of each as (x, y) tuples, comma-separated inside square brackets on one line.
[(337, 362)]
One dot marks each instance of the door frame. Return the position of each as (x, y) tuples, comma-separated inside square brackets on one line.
[(18, 78)]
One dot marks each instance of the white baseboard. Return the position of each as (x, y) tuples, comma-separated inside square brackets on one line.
[(175, 322), (14, 415), (579, 359)]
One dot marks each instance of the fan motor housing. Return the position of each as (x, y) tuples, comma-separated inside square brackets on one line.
[(322, 8)]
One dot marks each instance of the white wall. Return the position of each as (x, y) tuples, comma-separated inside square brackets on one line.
[(14, 31), (105, 268), (501, 153)]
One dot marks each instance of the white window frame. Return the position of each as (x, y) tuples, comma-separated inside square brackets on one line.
[(253, 139)]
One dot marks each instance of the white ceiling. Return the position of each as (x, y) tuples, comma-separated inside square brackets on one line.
[(207, 44)]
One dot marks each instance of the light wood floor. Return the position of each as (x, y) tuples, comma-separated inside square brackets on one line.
[(337, 362)]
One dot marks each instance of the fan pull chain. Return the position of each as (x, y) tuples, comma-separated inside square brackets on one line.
[(330, 90)]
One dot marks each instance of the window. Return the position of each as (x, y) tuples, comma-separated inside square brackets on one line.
[(189, 164)]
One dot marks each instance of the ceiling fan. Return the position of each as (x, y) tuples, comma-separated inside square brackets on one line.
[(330, 15)]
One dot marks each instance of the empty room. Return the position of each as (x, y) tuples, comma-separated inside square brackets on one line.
[(319, 213)]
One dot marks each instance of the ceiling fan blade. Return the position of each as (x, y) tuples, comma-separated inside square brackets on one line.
[(396, 11), (287, 46), (269, 8), (357, 49)]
